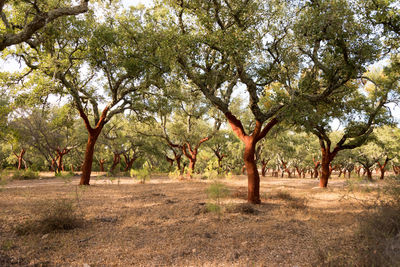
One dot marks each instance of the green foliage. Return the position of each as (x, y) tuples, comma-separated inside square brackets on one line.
[(25, 175), (142, 175), (215, 192), (51, 216), (175, 174)]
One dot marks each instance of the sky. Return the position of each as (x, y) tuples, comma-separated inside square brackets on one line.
[(128, 3)]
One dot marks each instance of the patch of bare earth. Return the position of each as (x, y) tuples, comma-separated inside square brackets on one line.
[(165, 223)]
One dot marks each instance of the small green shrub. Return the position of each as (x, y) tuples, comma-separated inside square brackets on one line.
[(53, 216), (229, 175), (142, 175), (211, 174), (175, 174), (25, 175), (215, 192)]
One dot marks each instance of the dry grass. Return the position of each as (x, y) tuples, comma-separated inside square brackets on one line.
[(51, 216), (163, 223)]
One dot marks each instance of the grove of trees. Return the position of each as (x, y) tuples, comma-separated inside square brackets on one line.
[(303, 88)]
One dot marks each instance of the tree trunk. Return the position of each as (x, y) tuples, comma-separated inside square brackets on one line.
[(382, 168), (116, 160), (93, 134), (192, 163), (325, 173), (264, 168), (101, 164), (369, 173), (326, 168), (220, 158), (88, 159), (253, 177), (20, 157), (244, 169), (129, 162), (298, 171), (60, 163)]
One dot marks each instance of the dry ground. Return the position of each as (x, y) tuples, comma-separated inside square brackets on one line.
[(165, 223)]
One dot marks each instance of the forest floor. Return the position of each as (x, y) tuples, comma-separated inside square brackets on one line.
[(165, 222)]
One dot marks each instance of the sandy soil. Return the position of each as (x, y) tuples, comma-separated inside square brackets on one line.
[(165, 223)]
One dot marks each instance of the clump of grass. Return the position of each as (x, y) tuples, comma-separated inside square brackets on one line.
[(243, 208), (25, 175), (284, 195), (215, 192), (53, 216), (292, 201)]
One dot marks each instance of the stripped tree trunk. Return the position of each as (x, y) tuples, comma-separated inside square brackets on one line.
[(92, 138)]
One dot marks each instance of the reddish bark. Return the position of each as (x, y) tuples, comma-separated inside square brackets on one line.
[(20, 158), (244, 169), (116, 161), (93, 134), (220, 157), (382, 167), (316, 166), (129, 161), (301, 172), (286, 169), (358, 170), (326, 168), (396, 169), (250, 141), (191, 154), (369, 173), (264, 167), (101, 164), (60, 155)]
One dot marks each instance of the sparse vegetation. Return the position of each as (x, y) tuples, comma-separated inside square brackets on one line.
[(142, 175), (25, 175), (215, 192), (379, 230), (291, 201), (56, 215)]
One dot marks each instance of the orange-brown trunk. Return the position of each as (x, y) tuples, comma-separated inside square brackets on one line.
[(192, 163), (252, 173), (88, 159), (21, 158)]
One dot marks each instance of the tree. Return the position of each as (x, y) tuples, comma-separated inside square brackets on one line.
[(95, 64), (20, 20), (216, 48), (386, 138), (254, 43), (341, 58), (50, 132)]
